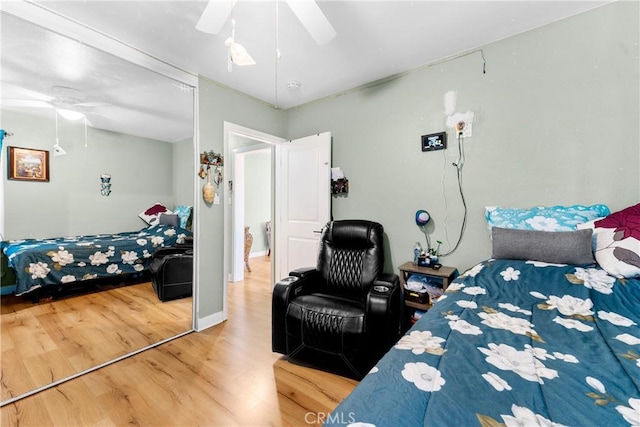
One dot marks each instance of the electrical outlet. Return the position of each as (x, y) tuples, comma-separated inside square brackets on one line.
[(467, 131), (461, 122), (464, 129)]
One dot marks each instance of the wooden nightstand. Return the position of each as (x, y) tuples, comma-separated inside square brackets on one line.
[(444, 275)]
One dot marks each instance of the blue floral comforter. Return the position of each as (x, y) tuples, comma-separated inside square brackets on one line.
[(515, 343), (47, 262)]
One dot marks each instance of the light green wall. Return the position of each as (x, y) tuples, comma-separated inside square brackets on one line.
[(257, 197), (218, 104), (557, 123), (183, 172), (71, 203)]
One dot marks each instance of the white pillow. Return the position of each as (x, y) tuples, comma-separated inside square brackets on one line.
[(151, 215), (617, 242)]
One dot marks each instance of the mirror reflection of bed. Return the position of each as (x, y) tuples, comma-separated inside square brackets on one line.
[(139, 132)]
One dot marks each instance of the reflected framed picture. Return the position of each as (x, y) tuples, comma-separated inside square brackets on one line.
[(28, 164)]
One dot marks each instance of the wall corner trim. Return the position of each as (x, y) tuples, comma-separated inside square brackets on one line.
[(209, 321)]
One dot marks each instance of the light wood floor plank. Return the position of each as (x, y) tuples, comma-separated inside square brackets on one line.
[(223, 376), (45, 342)]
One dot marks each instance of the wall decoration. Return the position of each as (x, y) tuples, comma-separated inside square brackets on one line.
[(105, 180), (210, 160), (339, 182), (28, 164), (434, 141), (208, 191)]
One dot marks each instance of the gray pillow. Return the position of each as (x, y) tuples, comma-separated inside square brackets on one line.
[(558, 247), (166, 219)]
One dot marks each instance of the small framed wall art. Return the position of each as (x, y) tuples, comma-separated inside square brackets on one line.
[(28, 164), (434, 141)]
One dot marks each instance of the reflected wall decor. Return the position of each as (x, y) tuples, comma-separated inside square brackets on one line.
[(28, 164)]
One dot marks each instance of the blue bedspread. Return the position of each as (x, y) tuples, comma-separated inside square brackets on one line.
[(47, 262), (512, 343)]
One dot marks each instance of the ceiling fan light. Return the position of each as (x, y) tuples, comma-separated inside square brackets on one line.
[(238, 54), (58, 151), (70, 114)]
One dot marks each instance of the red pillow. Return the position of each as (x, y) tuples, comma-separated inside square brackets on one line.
[(151, 215), (618, 242)]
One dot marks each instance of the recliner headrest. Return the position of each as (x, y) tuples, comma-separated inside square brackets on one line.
[(353, 234)]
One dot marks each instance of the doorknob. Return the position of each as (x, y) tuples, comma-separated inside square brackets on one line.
[(317, 231)]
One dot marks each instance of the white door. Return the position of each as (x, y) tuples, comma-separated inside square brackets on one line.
[(303, 200)]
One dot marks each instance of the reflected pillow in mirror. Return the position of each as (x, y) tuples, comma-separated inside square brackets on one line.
[(151, 214), (168, 219), (183, 212)]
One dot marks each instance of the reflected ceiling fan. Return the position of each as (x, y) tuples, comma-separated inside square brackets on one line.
[(308, 12), (71, 103)]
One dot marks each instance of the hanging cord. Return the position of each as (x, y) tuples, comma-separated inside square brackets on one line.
[(233, 39), (85, 131), (444, 197), (57, 139), (427, 237), (277, 52), (459, 164)]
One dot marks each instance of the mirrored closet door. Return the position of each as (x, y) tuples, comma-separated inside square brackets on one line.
[(101, 120)]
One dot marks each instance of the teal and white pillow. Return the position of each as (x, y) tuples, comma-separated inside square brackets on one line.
[(543, 218), (183, 212)]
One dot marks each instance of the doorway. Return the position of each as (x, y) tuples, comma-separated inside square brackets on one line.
[(242, 144), (252, 163), (301, 170)]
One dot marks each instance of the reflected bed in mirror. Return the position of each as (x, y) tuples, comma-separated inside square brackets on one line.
[(132, 124)]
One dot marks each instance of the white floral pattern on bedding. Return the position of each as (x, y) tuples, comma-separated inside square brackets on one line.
[(552, 345), (48, 262)]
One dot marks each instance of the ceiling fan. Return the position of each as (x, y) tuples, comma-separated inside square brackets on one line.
[(308, 12), (71, 103), (67, 102)]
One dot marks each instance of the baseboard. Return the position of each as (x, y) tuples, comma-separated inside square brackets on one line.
[(257, 254), (209, 321)]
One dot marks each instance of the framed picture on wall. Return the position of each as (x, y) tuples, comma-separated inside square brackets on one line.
[(28, 164)]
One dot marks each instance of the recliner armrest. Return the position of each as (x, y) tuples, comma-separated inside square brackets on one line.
[(300, 281), (304, 272), (388, 279), (384, 311)]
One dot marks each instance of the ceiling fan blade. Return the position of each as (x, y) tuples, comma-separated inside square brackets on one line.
[(312, 18), (91, 104), (214, 16), (18, 92), (28, 103)]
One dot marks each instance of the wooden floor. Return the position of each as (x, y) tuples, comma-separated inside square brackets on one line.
[(51, 340), (223, 376)]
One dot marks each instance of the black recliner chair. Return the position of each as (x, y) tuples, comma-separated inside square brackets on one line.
[(345, 313), (171, 271)]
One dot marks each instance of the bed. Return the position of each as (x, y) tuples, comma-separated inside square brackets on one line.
[(519, 342), (49, 262)]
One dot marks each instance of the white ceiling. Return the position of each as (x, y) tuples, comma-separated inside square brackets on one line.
[(375, 39)]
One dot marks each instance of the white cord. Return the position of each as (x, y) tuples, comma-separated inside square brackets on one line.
[(444, 197), (57, 141), (458, 166), (277, 53)]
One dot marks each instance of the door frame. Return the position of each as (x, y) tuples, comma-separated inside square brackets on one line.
[(234, 129), (238, 156)]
